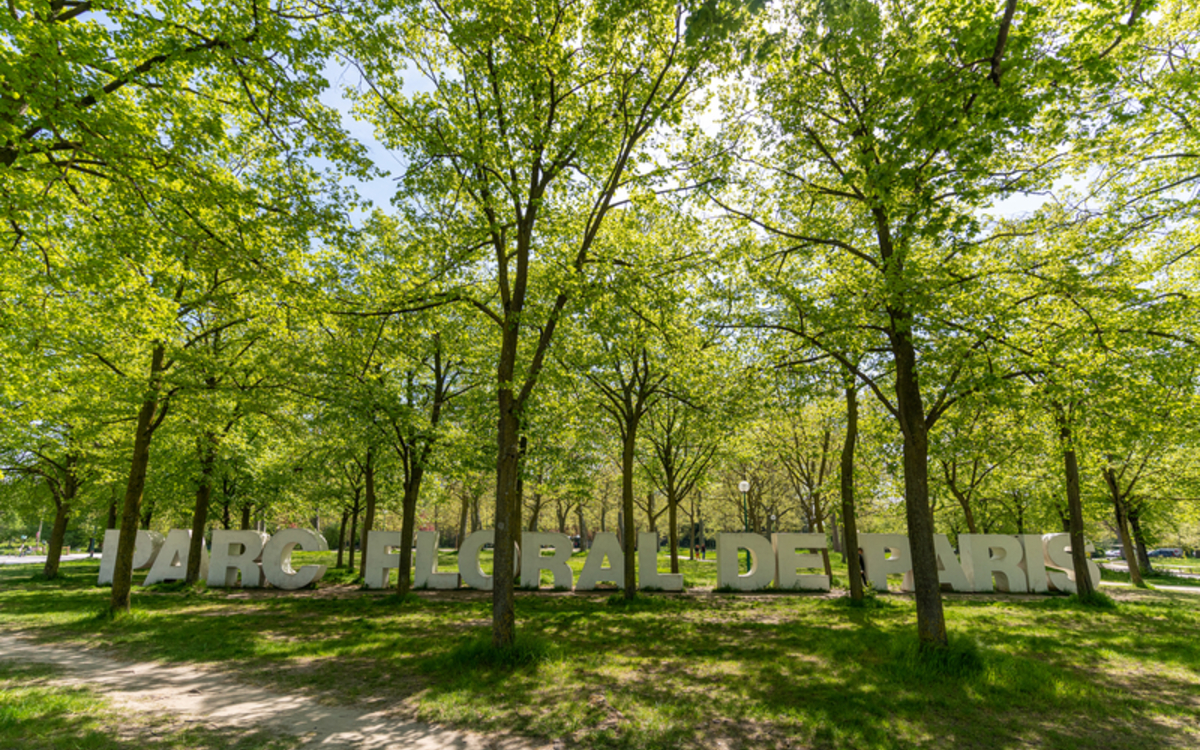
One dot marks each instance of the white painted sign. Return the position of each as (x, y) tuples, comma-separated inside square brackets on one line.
[(1033, 563)]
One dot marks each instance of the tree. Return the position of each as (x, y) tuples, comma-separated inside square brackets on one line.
[(538, 119)]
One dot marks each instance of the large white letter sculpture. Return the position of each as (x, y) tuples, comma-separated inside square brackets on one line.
[(762, 562), (604, 547), (426, 574), (879, 566), (233, 552), (381, 561), (145, 551), (533, 562), (468, 559), (277, 558), (1058, 556), (988, 555), (172, 560), (648, 575), (788, 561)]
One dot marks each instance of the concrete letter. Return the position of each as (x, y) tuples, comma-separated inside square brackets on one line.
[(762, 561), (648, 575), (1034, 563), (426, 575), (875, 548), (381, 561), (533, 562), (950, 570), (145, 552), (171, 562), (233, 552), (604, 547), (1058, 556), (988, 555), (787, 561), (468, 559), (277, 558)]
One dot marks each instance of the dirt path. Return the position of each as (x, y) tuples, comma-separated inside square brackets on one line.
[(218, 699)]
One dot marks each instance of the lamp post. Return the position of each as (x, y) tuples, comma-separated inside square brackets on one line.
[(744, 486)]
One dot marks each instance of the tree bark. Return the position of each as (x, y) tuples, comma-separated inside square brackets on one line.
[(149, 416), (931, 620), (849, 517), (353, 532), (342, 537), (1139, 539), (246, 516), (369, 517), (1083, 582), (64, 493), (630, 535), (208, 458), (673, 531), (462, 520), (408, 524), (111, 523), (508, 502)]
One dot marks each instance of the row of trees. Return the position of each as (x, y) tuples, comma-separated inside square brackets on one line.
[(649, 248)]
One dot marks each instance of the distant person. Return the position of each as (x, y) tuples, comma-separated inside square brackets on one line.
[(862, 566)]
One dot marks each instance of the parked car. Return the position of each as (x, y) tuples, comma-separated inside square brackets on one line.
[(1115, 554), (1166, 552)]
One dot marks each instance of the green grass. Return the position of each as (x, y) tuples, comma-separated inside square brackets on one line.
[(667, 671), (38, 713)]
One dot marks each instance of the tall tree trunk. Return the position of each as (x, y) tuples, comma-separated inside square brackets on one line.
[(111, 522), (1083, 581), (462, 520), (1139, 539), (408, 524), (584, 543), (342, 537), (369, 517), (138, 465), (1135, 572), (64, 499), (508, 501), (353, 532), (931, 620), (208, 458), (630, 533), (246, 516), (673, 531), (148, 515), (849, 518)]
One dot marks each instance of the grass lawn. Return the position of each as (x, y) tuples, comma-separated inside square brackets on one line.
[(765, 670)]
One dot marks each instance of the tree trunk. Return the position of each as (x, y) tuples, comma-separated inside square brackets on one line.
[(353, 532), (138, 465), (246, 516), (111, 523), (849, 518), (1083, 582), (1139, 539), (1135, 572), (208, 458), (462, 520), (931, 621), (148, 516), (64, 499), (341, 537), (630, 534), (584, 543), (369, 517), (508, 503), (408, 524), (673, 531)]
